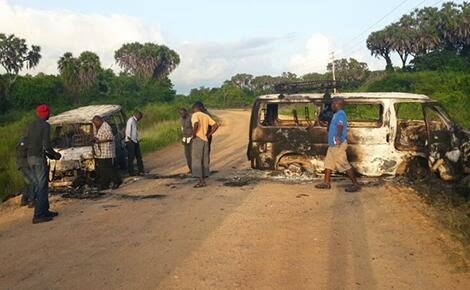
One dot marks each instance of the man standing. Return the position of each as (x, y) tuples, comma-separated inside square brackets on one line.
[(27, 198), (132, 144), (336, 157), (200, 146), (38, 145), (105, 154), (209, 139), (187, 131)]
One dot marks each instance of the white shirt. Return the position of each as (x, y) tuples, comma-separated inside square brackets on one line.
[(131, 130)]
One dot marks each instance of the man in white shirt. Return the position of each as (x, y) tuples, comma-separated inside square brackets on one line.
[(132, 144)]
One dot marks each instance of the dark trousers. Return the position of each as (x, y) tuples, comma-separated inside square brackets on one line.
[(133, 152), (187, 154), (39, 174), (28, 194), (107, 172)]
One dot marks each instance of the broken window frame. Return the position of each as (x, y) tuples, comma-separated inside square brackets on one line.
[(401, 147), (75, 127), (319, 107), (443, 116), (313, 122)]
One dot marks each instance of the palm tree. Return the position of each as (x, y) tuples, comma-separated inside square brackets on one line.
[(89, 68), (380, 44), (147, 61)]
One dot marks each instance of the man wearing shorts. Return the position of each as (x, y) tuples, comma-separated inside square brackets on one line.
[(336, 158)]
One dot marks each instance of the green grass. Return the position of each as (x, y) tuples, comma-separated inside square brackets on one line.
[(10, 180), (159, 128)]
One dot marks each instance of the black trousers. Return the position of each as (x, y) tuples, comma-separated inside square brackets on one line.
[(107, 172), (133, 152)]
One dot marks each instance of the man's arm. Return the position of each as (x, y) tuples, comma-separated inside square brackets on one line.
[(213, 129), (339, 133), (195, 128), (46, 143)]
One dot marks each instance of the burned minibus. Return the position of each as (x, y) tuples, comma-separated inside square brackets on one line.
[(386, 132), (72, 134)]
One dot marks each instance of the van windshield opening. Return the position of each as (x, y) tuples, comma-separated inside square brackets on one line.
[(72, 135)]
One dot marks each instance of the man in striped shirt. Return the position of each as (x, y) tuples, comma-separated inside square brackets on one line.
[(105, 155)]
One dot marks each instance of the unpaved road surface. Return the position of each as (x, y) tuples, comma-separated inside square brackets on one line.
[(265, 235)]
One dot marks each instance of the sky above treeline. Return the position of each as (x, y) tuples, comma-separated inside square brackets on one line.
[(215, 39)]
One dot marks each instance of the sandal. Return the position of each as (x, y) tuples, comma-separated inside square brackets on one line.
[(352, 188), (199, 185), (323, 185)]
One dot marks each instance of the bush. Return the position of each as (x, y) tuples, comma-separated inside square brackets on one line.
[(451, 89)]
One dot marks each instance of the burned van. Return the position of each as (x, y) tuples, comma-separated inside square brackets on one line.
[(72, 135), (386, 132)]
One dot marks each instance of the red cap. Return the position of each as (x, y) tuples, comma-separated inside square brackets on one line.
[(43, 111)]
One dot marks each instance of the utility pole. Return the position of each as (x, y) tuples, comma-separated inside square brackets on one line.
[(333, 68)]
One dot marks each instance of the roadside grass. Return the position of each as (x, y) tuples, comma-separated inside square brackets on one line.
[(159, 135), (10, 179), (159, 128)]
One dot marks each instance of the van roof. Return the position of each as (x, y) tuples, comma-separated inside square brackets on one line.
[(84, 114), (358, 95)]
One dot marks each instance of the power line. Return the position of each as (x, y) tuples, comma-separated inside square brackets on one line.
[(377, 22), (353, 48)]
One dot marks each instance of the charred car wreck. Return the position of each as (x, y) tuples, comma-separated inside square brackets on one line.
[(72, 135), (386, 132)]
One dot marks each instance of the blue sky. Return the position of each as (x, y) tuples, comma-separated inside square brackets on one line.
[(214, 38)]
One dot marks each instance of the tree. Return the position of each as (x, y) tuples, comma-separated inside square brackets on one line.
[(380, 44), (147, 61), (79, 74), (242, 81), (351, 72), (14, 56)]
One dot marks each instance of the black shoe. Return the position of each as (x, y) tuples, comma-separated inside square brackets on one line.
[(44, 219), (52, 213), (115, 185)]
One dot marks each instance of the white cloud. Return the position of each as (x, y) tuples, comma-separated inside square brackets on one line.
[(59, 31), (210, 63), (315, 56)]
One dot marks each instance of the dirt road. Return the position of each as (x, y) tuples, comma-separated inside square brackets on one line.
[(265, 235)]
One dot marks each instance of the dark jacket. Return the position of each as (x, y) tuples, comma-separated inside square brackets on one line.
[(39, 140), (21, 154)]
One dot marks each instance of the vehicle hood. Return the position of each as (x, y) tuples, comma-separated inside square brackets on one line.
[(76, 153)]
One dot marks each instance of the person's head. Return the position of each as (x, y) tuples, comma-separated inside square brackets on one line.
[(138, 115), (201, 105), (97, 121), (183, 113), (337, 104), (198, 107), (43, 112)]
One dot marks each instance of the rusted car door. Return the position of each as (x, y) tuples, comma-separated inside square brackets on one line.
[(445, 155), (369, 137)]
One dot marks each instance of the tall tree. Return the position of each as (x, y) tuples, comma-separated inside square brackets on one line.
[(79, 74), (147, 61), (380, 44), (14, 56)]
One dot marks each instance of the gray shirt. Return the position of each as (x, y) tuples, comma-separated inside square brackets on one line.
[(186, 126)]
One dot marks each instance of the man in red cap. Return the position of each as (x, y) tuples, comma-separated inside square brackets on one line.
[(38, 147)]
